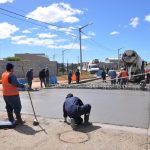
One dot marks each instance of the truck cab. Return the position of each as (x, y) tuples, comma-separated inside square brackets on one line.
[(92, 68)]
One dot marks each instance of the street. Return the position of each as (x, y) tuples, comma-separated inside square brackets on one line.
[(119, 107)]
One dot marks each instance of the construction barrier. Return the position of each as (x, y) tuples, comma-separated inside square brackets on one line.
[(53, 79), (74, 77)]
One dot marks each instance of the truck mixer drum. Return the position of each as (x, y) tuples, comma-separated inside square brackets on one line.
[(134, 65)]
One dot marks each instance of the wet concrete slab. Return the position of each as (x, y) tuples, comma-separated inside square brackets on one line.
[(119, 107)]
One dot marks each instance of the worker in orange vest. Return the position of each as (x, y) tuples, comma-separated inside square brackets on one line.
[(11, 97), (124, 77)]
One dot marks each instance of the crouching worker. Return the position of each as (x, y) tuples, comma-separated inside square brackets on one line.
[(74, 108), (11, 94)]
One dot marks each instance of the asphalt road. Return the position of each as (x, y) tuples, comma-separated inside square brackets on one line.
[(119, 107)]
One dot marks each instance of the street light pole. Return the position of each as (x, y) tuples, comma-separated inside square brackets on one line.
[(63, 60), (80, 49), (54, 57), (119, 58), (80, 39)]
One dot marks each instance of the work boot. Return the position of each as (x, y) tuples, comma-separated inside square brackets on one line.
[(73, 124), (86, 120), (19, 119), (10, 117)]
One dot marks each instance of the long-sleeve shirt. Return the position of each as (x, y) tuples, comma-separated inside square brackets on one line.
[(29, 76), (47, 73), (70, 106), (12, 79), (112, 74), (42, 74), (70, 75)]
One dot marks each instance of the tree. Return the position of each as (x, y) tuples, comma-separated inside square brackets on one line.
[(13, 59)]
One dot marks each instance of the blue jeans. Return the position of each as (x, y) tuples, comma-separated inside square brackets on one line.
[(82, 110)]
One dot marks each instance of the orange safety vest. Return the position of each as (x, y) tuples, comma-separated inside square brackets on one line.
[(124, 74), (8, 89)]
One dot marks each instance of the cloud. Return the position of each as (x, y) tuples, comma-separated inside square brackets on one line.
[(6, 1), (85, 37), (147, 18), (67, 31), (49, 43), (7, 30), (16, 38), (31, 41), (46, 35), (134, 22), (91, 33), (114, 33), (26, 31), (57, 12), (88, 36), (68, 46), (34, 41)]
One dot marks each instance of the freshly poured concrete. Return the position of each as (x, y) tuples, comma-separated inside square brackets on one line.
[(119, 107)]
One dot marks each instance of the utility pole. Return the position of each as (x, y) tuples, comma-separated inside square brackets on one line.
[(63, 55), (67, 66), (80, 39), (54, 57), (119, 58), (78, 60), (63, 60)]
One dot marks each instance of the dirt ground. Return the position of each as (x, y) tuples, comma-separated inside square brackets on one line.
[(60, 136)]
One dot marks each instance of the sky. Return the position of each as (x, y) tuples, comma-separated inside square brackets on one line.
[(52, 27)]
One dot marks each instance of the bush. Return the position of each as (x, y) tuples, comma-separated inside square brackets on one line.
[(13, 59)]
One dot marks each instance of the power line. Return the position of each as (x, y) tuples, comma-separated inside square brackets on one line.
[(32, 22), (23, 20), (12, 12), (100, 45)]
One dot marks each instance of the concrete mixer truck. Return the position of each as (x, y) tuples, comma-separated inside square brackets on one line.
[(134, 65)]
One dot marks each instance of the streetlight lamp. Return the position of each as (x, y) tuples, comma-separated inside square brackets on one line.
[(80, 30)]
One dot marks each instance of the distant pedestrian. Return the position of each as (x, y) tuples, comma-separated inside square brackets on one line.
[(70, 77), (11, 96), (42, 77), (47, 76), (107, 70), (104, 75), (148, 76), (29, 78), (119, 77), (124, 77), (112, 74), (77, 76)]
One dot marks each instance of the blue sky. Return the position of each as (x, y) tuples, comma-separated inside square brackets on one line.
[(115, 24)]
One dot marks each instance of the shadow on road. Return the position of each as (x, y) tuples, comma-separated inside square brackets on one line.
[(25, 129), (86, 129)]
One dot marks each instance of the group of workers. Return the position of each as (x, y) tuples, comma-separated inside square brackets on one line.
[(121, 78), (73, 107), (72, 77), (43, 76)]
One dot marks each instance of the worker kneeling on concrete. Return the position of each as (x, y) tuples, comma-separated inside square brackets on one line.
[(74, 108)]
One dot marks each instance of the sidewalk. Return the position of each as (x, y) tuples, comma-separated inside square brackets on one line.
[(60, 136)]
